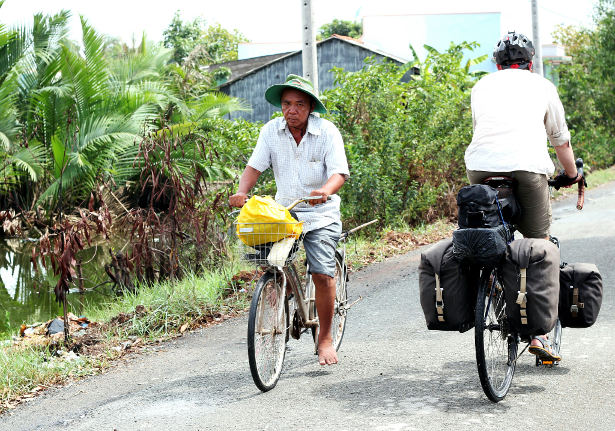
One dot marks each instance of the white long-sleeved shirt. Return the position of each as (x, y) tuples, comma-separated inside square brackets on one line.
[(514, 112)]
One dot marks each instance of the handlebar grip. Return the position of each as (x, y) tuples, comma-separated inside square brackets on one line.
[(579, 164), (581, 186)]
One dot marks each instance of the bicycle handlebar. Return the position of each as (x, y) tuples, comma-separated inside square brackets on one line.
[(581, 186), (305, 199)]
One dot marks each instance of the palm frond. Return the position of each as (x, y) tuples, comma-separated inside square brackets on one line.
[(217, 104), (30, 161)]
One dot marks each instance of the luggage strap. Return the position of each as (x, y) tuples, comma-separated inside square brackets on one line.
[(574, 308), (439, 300), (522, 295)]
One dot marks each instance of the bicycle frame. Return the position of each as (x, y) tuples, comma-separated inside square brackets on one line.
[(304, 301)]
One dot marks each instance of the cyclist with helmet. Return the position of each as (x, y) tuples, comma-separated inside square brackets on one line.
[(514, 111)]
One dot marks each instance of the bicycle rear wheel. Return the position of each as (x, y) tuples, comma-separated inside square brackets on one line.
[(267, 326), (338, 323), (496, 349)]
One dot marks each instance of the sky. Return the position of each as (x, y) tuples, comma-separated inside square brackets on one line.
[(268, 21)]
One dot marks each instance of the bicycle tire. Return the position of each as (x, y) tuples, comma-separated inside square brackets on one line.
[(267, 329), (338, 325), (496, 348), (555, 337)]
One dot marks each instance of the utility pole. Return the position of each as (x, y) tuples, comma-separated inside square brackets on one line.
[(537, 46), (308, 51)]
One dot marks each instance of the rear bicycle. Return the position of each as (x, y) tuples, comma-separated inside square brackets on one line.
[(487, 212), (496, 347)]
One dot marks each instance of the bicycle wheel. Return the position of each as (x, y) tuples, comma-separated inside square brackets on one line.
[(555, 337), (267, 326), (338, 323), (496, 349)]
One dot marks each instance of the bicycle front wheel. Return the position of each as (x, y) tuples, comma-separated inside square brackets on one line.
[(267, 324), (496, 348), (555, 338)]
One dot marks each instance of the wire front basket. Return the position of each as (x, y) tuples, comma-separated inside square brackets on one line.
[(274, 244)]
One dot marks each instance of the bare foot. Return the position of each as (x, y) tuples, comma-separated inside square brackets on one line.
[(326, 354)]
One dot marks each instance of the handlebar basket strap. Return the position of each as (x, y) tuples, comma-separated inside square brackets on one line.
[(262, 220)]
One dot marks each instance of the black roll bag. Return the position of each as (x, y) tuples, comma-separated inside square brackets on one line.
[(447, 301), (481, 246), (482, 206), (580, 295), (531, 285), (483, 216)]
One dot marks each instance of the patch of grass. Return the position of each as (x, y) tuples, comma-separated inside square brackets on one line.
[(362, 251), (163, 309), (600, 177), (26, 371), (594, 179), (154, 312)]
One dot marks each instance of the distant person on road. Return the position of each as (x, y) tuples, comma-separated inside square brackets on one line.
[(307, 156), (514, 111)]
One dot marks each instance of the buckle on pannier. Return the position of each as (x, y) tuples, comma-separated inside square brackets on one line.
[(521, 297)]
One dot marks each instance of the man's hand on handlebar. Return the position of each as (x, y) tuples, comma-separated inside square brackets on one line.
[(319, 192), (238, 199), (563, 180)]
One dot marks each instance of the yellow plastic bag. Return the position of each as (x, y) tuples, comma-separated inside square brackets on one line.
[(263, 220)]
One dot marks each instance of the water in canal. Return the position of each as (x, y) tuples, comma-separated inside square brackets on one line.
[(26, 297)]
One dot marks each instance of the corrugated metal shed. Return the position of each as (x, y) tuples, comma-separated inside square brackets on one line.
[(335, 51)]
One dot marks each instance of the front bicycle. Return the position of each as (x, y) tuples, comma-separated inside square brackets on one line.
[(267, 324), (274, 247)]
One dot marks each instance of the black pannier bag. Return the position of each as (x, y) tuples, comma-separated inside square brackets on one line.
[(580, 295), (482, 206), (531, 285), (481, 246), (447, 301)]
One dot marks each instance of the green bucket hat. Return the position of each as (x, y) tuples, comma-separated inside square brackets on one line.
[(274, 93)]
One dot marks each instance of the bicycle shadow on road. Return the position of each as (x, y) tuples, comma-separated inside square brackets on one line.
[(452, 387)]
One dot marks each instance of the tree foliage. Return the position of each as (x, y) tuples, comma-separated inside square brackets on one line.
[(404, 140), (208, 44), (71, 115), (342, 28), (588, 84)]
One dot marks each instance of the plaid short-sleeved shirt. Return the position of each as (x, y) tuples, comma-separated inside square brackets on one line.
[(300, 169)]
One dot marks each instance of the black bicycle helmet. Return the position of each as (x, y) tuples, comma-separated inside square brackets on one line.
[(514, 48)]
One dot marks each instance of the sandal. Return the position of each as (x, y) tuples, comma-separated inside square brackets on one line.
[(544, 351)]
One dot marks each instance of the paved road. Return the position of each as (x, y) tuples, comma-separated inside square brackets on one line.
[(393, 375)]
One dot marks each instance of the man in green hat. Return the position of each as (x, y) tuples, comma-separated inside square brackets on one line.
[(307, 156)]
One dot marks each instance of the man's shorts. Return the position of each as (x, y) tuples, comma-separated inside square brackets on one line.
[(320, 247), (532, 194)]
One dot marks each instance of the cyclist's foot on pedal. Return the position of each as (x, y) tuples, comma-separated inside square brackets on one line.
[(326, 353), (541, 347)]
